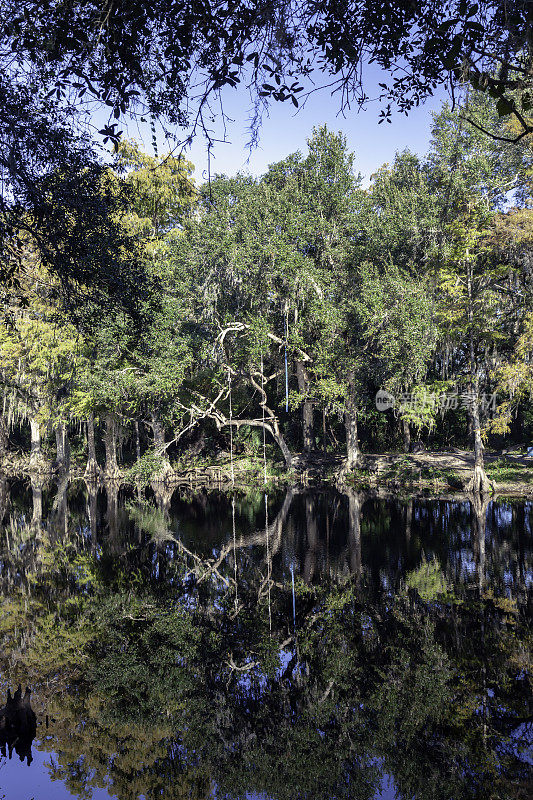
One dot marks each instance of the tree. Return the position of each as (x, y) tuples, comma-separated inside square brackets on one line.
[(58, 201), (511, 240), (278, 247), (473, 176), (171, 62), (162, 192), (39, 356), (395, 291), (397, 316), (230, 262), (151, 57), (403, 218), (126, 376)]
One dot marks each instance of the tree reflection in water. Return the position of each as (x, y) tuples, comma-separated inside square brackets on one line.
[(411, 655)]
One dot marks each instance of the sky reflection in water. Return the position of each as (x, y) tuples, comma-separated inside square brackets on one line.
[(180, 688)]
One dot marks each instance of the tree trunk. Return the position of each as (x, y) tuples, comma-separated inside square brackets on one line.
[(138, 455), (137, 442), (352, 438), (354, 533), (37, 500), (270, 423), (350, 424), (4, 497), (518, 425), (479, 482), (282, 444), (312, 539), (470, 427), (35, 453), (406, 432), (92, 469), (159, 433), (308, 434), (62, 446), (4, 437), (159, 447), (479, 522), (110, 441)]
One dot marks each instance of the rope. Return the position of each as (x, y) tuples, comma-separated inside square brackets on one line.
[(268, 564), (293, 601), (286, 367), (234, 551), (233, 486), (231, 432), (263, 408)]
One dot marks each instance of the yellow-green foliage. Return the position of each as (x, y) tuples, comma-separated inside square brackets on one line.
[(39, 353), (163, 189), (428, 580), (515, 378)]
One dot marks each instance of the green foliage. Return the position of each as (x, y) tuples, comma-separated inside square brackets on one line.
[(508, 471), (149, 465), (277, 299), (158, 677), (428, 580), (161, 189)]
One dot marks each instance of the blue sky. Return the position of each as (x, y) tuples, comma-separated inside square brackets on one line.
[(286, 129)]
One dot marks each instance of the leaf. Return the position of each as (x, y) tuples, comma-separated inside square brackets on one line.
[(504, 107), (448, 60)]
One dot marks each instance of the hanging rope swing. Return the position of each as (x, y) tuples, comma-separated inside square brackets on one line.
[(263, 420), (269, 566), (234, 552), (232, 486), (266, 495), (293, 601), (286, 315), (231, 431)]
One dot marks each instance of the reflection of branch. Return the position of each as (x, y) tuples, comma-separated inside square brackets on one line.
[(245, 667), (205, 568), (275, 530), (200, 562)]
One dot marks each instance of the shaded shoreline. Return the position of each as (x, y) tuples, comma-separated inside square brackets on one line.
[(437, 473)]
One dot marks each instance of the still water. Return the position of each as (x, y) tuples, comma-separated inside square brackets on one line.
[(303, 645)]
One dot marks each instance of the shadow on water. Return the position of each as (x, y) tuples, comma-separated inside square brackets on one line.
[(172, 655)]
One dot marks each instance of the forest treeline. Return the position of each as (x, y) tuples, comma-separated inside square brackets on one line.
[(270, 311)]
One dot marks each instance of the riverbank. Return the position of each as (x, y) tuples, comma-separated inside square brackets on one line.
[(433, 472), (510, 473)]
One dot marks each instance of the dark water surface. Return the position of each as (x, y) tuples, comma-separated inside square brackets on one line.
[(316, 645)]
